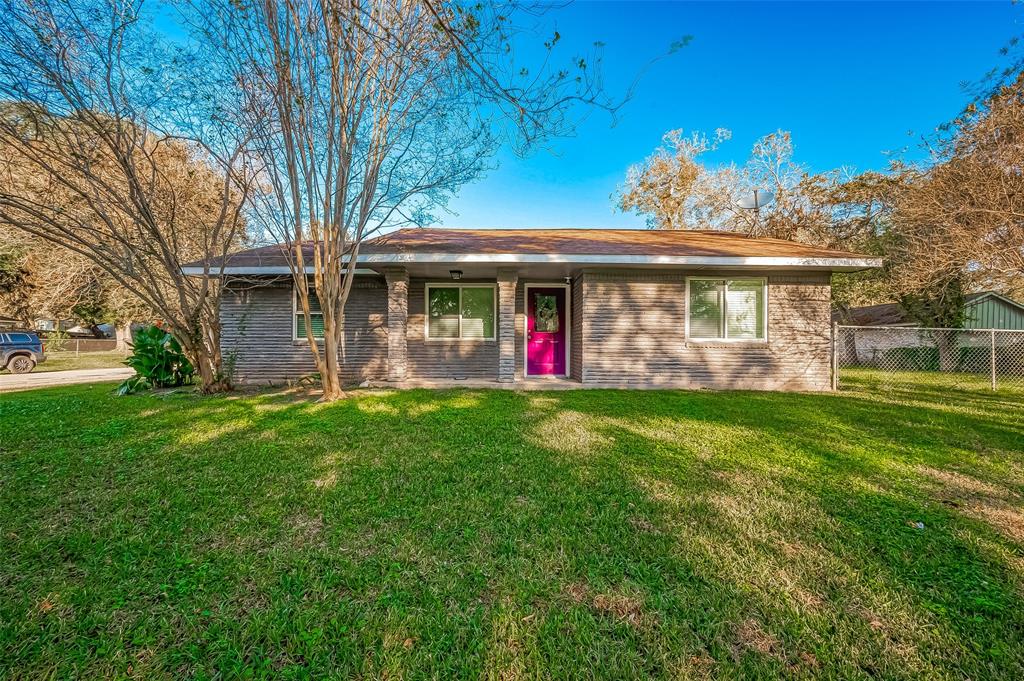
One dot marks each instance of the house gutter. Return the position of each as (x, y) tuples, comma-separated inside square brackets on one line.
[(692, 261)]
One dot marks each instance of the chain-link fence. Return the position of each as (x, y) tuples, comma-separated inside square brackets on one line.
[(76, 347), (967, 358)]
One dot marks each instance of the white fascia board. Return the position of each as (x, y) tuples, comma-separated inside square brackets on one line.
[(751, 262), (256, 269), (682, 260)]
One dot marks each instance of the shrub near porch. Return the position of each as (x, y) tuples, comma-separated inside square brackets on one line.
[(469, 533)]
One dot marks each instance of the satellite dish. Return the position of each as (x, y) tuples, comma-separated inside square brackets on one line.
[(755, 199)]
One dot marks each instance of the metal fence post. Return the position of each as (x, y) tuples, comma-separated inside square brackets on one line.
[(835, 356), (78, 344), (992, 356)]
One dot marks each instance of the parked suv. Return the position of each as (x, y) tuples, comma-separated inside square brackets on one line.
[(21, 351)]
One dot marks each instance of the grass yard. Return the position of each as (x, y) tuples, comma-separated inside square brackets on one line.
[(498, 534), (65, 361)]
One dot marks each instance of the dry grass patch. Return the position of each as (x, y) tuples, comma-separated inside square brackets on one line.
[(751, 635), (623, 605), (997, 505)]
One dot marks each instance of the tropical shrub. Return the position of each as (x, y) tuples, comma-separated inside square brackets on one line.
[(158, 362)]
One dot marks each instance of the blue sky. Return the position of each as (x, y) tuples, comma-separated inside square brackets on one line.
[(851, 81)]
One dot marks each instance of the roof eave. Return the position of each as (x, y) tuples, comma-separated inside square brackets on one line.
[(835, 264)]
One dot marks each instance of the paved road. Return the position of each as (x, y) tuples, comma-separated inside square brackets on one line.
[(47, 379)]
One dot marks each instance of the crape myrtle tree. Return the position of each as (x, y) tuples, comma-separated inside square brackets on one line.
[(90, 160), (368, 114)]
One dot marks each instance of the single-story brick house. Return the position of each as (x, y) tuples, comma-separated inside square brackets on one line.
[(624, 308)]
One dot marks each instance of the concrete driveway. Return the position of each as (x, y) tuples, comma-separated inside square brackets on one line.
[(49, 379)]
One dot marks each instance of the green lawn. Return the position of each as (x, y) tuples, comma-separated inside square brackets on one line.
[(87, 360), (476, 533)]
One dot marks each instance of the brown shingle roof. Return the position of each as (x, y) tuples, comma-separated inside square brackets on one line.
[(885, 314), (593, 242), (575, 242)]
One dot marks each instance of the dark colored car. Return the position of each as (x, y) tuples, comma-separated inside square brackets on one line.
[(21, 351)]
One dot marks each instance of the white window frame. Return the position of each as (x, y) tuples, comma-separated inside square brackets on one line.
[(296, 311), (726, 278), (459, 285)]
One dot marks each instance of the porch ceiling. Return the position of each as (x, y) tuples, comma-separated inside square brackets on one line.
[(442, 271)]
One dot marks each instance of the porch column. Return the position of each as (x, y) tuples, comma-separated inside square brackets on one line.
[(398, 317), (507, 325)]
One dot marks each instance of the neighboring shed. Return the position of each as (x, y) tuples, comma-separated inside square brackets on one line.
[(989, 310), (983, 310)]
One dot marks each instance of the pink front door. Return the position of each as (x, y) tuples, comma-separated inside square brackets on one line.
[(545, 331)]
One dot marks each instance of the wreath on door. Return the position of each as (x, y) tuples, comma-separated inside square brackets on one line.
[(546, 314)]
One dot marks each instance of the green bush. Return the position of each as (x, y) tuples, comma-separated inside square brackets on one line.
[(57, 340), (158, 362), (912, 359), (970, 359)]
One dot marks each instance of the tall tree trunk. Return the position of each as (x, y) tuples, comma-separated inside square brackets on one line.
[(850, 347), (123, 334), (947, 346), (206, 359), (211, 380), (330, 371)]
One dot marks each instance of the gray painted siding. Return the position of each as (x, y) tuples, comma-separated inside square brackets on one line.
[(256, 334), (634, 334), (450, 358)]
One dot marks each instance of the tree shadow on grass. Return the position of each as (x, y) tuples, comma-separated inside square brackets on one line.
[(469, 533), (959, 575)]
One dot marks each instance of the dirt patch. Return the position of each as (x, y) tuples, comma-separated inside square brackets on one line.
[(751, 635), (873, 620), (622, 606), (578, 593), (809, 661), (808, 599)]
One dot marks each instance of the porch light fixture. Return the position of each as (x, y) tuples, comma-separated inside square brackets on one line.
[(456, 274)]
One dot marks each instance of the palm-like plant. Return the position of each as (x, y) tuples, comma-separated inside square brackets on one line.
[(158, 362)]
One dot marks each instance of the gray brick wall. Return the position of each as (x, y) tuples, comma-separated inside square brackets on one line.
[(506, 325), (256, 333), (634, 334), (445, 358), (627, 330), (398, 321)]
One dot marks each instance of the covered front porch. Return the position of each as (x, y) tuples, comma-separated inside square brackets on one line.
[(478, 325)]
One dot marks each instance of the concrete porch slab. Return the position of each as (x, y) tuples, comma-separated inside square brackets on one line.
[(532, 383)]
